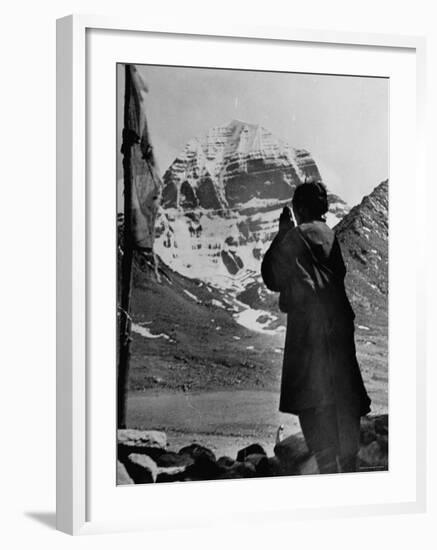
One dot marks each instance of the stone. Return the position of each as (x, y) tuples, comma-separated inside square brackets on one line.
[(383, 443), (367, 434), (372, 457), (195, 451), (170, 475), (238, 471), (203, 468), (225, 462), (255, 448), (123, 477), (261, 464), (374, 429), (141, 468), (171, 459), (150, 442), (142, 438), (292, 452), (381, 424)]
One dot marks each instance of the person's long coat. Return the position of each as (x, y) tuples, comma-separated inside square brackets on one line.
[(320, 368)]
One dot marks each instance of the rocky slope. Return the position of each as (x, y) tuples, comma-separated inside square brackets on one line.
[(363, 236), (190, 335), (222, 198)]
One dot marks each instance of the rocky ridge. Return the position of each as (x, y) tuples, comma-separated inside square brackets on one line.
[(363, 237)]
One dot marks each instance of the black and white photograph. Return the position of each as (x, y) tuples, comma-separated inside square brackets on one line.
[(252, 273), (219, 304)]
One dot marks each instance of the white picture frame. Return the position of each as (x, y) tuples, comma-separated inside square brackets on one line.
[(74, 343)]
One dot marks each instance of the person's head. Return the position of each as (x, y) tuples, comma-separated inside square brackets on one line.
[(310, 201)]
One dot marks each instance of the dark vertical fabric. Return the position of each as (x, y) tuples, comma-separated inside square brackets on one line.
[(331, 427), (145, 180), (319, 367), (333, 435)]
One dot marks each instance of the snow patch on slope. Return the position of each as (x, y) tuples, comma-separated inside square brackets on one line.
[(249, 318), (144, 331)]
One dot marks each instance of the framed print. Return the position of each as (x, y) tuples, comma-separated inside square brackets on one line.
[(240, 306)]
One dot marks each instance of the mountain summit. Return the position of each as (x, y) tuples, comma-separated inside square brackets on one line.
[(233, 164), (222, 198)]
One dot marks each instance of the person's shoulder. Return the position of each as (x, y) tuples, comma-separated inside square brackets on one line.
[(317, 228), (318, 233), (315, 225)]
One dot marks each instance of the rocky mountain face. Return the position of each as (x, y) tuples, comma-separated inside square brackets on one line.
[(221, 202), (233, 164), (363, 236)]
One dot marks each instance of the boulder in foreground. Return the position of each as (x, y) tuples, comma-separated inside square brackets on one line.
[(143, 457), (254, 449), (150, 442), (292, 452), (123, 477), (142, 438), (196, 451), (295, 458), (141, 468)]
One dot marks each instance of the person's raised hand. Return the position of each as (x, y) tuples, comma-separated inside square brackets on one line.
[(285, 220)]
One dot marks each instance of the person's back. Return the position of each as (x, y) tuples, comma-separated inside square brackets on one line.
[(320, 371)]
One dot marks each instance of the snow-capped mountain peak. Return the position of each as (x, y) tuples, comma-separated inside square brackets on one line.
[(222, 198)]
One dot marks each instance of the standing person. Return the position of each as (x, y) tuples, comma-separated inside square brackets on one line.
[(321, 380)]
